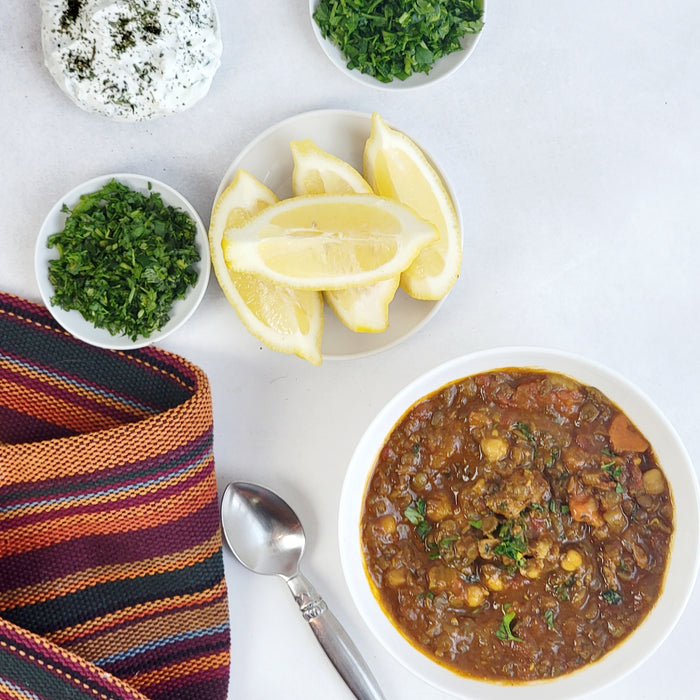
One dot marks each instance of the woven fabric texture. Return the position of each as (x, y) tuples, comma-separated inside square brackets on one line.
[(110, 545)]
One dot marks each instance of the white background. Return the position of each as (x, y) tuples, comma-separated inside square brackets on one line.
[(572, 140)]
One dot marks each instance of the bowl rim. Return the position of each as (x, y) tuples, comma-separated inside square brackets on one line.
[(445, 66), (684, 556), (73, 321)]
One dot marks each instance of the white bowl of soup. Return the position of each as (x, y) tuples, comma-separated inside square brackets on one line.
[(511, 518)]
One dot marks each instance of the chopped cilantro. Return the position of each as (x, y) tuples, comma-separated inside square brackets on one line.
[(511, 545), (614, 471), (504, 631), (549, 618), (553, 456), (562, 591), (447, 541), (415, 513), (526, 432), (611, 596), (423, 528), (433, 550), (390, 39), (524, 428), (124, 258)]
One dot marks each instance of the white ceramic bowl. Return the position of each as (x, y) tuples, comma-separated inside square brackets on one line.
[(682, 565), (73, 321), (441, 69)]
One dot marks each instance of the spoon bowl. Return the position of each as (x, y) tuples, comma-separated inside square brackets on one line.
[(267, 537)]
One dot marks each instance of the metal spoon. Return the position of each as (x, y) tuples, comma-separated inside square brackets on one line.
[(266, 536)]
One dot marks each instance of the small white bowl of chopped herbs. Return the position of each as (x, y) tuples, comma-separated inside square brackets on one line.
[(122, 261), (385, 46)]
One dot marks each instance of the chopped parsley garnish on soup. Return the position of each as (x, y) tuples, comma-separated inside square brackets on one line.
[(516, 525)]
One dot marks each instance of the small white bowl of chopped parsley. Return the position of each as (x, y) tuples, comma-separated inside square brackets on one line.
[(122, 261), (397, 44)]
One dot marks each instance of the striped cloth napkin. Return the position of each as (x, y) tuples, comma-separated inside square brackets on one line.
[(111, 571)]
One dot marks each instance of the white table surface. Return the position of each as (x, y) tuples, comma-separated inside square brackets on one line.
[(572, 139)]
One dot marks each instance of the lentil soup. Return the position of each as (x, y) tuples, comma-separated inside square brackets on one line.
[(516, 526)]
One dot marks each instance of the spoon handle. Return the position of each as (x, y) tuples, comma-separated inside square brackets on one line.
[(335, 641)]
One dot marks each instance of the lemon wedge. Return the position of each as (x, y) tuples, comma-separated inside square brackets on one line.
[(364, 309), (318, 172), (328, 242), (361, 309), (396, 167), (284, 319)]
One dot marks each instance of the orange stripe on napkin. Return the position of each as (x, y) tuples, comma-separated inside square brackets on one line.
[(137, 634), (179, 670), (143, 517)]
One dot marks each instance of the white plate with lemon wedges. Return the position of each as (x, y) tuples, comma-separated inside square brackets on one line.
[(311, 225)]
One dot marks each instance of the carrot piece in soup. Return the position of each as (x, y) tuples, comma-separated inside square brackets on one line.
[(584, 509), (625, 437)]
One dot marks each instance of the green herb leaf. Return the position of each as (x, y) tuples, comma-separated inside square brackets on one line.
[(614, 471), (562, 508), (423, 528), (611, 596), (433, 550), (415, 513), (562, 591), (553, 456), (504, 632), (390, 39), (524, 428), (549, 618), (511, 545)]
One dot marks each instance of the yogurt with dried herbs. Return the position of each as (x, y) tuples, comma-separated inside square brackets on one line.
[(132, 60)]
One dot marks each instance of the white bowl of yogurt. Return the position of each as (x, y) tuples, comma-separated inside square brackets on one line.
[(132, 61)]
